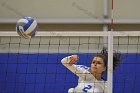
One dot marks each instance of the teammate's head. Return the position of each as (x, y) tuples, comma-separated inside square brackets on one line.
[(100, 61)]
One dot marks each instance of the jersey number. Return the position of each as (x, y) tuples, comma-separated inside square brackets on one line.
[(88, 87)]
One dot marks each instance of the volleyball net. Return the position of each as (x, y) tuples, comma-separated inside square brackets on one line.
[(34, 65)]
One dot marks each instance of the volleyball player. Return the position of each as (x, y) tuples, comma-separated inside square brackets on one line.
[(90, 78)]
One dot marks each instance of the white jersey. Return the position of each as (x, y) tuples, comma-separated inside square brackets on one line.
[(87, 83)]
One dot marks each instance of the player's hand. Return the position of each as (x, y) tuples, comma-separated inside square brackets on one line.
[(73, 59)]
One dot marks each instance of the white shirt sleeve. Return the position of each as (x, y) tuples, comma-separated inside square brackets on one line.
[(80, 70)]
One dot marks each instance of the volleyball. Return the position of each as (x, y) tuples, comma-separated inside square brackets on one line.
[(26, 27)]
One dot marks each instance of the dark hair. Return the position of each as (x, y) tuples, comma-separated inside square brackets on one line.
[(104, 55)]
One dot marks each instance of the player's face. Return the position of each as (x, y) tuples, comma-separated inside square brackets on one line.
[(97, 65)]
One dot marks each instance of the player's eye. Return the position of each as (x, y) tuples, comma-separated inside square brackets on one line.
[(97, 62), (93, 62)]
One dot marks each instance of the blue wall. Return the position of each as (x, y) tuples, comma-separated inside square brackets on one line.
[(44, 73)]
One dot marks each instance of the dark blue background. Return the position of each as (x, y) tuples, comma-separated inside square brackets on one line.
[(44, 73)]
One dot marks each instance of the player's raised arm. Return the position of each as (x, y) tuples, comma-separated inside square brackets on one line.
[(70, 63)]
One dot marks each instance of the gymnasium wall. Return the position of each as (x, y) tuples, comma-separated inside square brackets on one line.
[(67, 8)]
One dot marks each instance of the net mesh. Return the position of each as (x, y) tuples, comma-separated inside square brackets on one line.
[(34, 65)]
